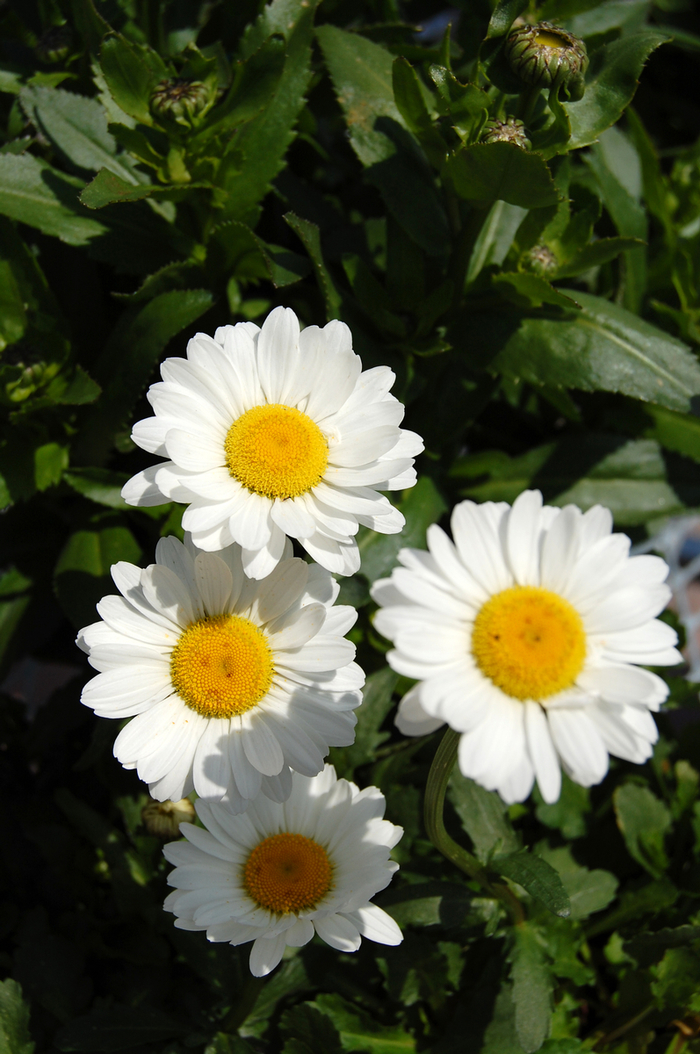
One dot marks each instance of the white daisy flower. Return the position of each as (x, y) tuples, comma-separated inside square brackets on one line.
[(229, 682), (281, 873), (523, 634), (273, 433)]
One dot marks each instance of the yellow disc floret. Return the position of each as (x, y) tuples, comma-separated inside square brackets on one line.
[(221, 666), (288, 873), (550, 40), (276, 451), (531, 643)]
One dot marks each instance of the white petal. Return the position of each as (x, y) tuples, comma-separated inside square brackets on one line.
[(214, 583), (266, 953), (339, 932), (579, 744), (523, 535), (376, 925), (411, 719), (542, 753)]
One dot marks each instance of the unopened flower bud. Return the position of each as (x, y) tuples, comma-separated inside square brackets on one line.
[(179, 100), (54, 44), (509, 131), (546, 56), (541, 260), (163, 818)]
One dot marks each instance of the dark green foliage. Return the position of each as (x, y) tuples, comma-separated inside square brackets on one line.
[(541, 310)]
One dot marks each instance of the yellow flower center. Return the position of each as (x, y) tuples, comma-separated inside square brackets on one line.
[(276, 451), (551, 40), (221, 666), (529, 642), (288, 873)]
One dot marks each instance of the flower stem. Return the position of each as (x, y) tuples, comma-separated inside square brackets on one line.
[(433, 808), (242, 1008), (438, 778)]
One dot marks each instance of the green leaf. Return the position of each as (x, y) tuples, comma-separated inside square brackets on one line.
[(678, 432), (376, 703), (537, 877), (310, 235), (611, 82), (14, 1020), (568, 813), (226, 1043), (14, 599), (108, 189), (362, 76), (81, 576), (408, 95), (73, 388), (33, 192), (597, 253), (255, 82), (428, 904), (483, 816), (117, 1028), (100, 485), (128, 360), (633, 479), (676, 982), (643, 820), (421, 506), (131, 71), (13, 316), (530, 290), (531, 989), (359, 1032), (77, 126), (50, 460), (602, 346), (495, 237), (647, 948), (488, 172), (588, 890), (308, 1031), (263, 141)]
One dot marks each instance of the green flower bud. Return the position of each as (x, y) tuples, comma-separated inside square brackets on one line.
[(545, 56), (163, 818), (541, 260), (509, 131), (54, 45), (180, 100)]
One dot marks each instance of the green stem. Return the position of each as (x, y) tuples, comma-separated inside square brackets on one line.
[(527, 104), (433, 809), (438, 778), (243, 1007)]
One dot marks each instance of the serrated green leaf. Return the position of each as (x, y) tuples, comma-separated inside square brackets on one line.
[(531, 989), (483, 816), (362, 76), (537, 877), (50, 460), (428, 904), (108, 189), (358, 1031), (602, 346), (633, 479), (531, 290), (643, 820), (76, 125), (131, 71), (647, 948), (568, 813), (263, 141), (676, 982), (310, 236), (14, 1020), (597, 253), (611, 82), (588, 891), (488, 172), (308, 1031), (34, 193), (100, 485), (421, 506)]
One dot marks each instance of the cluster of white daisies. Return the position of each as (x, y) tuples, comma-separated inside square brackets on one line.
[(229, 656)]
